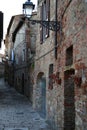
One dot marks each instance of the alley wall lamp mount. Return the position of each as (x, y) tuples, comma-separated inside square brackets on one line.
[(28, 8)]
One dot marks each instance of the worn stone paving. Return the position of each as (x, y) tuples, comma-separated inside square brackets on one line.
[(16, 112)]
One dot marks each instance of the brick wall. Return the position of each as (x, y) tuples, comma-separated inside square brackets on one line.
[(72, 14)]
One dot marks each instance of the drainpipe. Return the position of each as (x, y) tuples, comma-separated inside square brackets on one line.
[(56, 3)]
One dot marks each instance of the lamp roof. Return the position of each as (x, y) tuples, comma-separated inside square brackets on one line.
[(28, 3)]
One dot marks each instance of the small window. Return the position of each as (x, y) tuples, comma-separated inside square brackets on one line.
[(69, 56), (50, 76), (23, 55)]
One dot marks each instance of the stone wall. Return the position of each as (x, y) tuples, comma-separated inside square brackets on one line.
[(2, 69), (74, 30), (72, 14)]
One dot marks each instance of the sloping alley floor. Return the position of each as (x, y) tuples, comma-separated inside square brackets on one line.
[(16, 112)]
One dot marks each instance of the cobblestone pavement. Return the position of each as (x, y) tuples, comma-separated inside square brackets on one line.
[(16, 112)]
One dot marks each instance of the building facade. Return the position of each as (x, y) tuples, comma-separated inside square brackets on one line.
[(9, 63), (60, 80), (1, 27), (20, 49), (1, 66), (50, 67)]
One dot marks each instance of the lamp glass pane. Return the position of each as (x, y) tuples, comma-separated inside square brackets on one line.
[(28, 11)]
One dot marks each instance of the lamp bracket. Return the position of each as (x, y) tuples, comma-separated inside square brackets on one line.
[(52, 25)]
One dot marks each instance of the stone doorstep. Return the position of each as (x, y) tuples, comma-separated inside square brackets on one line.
[(42, 127), (15, 129)]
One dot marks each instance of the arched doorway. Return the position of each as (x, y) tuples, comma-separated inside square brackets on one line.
[(41, 86)]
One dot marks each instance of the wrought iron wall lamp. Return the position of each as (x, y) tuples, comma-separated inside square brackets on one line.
[(28, 7)]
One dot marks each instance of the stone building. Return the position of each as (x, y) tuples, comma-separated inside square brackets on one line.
[(9, 64), (53, 73), (20, 49), (1, 27), (1, 66), (24, 51), (60, 79)]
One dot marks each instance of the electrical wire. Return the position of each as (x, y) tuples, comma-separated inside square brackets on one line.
[(49, 50), (53, 47)]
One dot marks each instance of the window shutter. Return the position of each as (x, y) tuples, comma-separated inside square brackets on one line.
[(41, 27), (47, 15)]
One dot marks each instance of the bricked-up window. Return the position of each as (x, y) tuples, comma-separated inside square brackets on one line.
[(50, 76), (44, 16), (69, 56)]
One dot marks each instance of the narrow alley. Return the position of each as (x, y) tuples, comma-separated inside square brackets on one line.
[(16, 112)]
